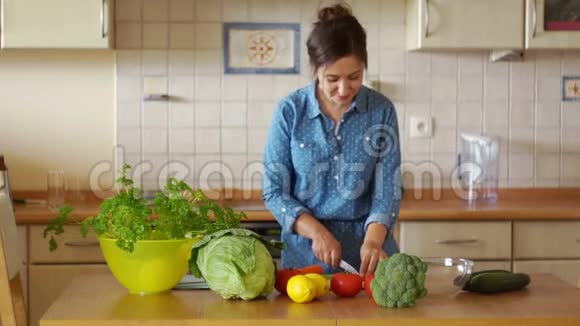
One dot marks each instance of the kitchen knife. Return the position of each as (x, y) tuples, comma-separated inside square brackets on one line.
[(347, 267)]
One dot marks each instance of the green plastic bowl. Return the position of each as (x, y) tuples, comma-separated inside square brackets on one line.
[(154, 266)]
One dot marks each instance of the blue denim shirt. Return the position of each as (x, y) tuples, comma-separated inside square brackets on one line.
[(347, 176)]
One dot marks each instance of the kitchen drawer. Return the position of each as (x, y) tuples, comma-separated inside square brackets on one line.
[(491, 264), (558, 239), (567, 270), (72, 247), (474, 240)]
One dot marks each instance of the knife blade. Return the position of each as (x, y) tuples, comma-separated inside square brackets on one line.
[(347, 267)]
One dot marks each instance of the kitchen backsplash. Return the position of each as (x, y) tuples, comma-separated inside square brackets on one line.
[(215, 125)]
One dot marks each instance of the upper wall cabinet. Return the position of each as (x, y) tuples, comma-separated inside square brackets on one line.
[(552, 24), (465, 24), (56, 24)]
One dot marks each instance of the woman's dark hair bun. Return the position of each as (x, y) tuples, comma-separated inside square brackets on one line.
[(335, 35), (333, 12)]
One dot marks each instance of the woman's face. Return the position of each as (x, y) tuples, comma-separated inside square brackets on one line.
[(341, 80)]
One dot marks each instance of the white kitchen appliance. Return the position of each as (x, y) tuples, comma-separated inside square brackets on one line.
[(479, 167)]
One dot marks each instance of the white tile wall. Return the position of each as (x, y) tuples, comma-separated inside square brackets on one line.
[(155, 140), (208, 62), (213, 117), (181, 62), (234, 114), (181, 10), (235, 10), (155, 35), (181, 115), (208, 11), (207, 114), (158, 163), (128, 35), (182, 166), (208, 140), (128, 10), (181, 35), (181, 141), (155, 10)]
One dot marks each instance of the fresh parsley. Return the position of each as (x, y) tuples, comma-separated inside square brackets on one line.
[(181, 213)]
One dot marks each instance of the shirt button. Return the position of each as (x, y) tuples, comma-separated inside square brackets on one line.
[(336, 157), (338, 137), (368, 138), (341, 120), (336, 177), (302, 145), (283, 210)]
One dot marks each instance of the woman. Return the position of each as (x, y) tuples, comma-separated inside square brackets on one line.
[(332, 159)]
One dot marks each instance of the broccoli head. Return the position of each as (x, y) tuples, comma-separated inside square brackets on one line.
[(399, 281)]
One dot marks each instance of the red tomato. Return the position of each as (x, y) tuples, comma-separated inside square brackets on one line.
[(282, 277), (368, 280), (346, 284)]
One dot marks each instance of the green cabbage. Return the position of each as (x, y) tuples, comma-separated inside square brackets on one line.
[(235, 263)]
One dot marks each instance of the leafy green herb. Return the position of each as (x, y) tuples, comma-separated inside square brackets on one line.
[(56, 226), (182, 213)]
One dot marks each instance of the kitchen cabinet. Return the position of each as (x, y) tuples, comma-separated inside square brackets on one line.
[(72, 247), (550, 24), (546, 239), (549, 247), (479, 265), (473, 240), (488, 244), (464, 24), (65, 24), (50, 272), (565, 270)]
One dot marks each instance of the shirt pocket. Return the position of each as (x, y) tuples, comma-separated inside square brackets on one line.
[(306, 154), (364, 152)]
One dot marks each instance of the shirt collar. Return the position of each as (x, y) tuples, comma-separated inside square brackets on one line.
[(360, 100), (359, 103), (314, 107)]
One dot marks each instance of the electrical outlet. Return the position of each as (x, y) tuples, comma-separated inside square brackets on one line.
[(420, 126)]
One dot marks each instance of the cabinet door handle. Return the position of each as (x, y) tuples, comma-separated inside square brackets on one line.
[(577, 240), (82, 243), (104, 16), (427, 17), (457, 241), (534, 18)]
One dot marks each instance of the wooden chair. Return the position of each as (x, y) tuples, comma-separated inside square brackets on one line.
[(12, 307)]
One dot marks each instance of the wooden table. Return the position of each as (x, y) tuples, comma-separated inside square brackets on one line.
[(97, 299)]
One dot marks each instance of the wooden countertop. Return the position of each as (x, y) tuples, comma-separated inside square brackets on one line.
[(513, 204), (97, 299)]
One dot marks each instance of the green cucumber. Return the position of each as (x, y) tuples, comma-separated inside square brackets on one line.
[(494, 281)]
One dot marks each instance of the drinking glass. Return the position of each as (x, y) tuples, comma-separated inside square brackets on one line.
[(56, 188)]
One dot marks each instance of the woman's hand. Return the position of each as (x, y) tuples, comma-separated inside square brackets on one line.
[(326, 248), (371, 252), (324, 245)]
